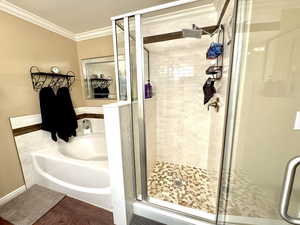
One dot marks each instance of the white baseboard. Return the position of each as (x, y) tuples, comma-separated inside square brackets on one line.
[(12, 195)]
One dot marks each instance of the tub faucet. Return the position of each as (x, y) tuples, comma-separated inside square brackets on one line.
[(86, 127)]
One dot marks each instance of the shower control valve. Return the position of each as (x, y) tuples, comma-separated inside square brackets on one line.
[(215, 104)]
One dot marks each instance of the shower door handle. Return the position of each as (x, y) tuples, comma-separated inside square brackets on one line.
[(287, 190)]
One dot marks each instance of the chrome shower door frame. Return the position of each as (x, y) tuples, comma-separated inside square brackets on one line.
[(142, 197)]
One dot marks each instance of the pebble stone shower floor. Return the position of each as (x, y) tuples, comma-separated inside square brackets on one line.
[(183, 185), (194, 188)]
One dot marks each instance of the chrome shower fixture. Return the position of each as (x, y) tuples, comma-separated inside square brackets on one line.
[(195, 32)]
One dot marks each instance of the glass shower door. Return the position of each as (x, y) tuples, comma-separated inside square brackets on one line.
[(262, 133), (177, 155)]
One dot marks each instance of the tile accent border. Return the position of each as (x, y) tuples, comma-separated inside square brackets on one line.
[(26, 124), (25, 130), (36, 127), (90, 116), (12, 195)]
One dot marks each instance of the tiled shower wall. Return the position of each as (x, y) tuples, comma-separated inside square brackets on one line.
[(183, 122)]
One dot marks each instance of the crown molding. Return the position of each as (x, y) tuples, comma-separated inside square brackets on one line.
[(96, 33), (46, 24), (101, 32), (32, 18)]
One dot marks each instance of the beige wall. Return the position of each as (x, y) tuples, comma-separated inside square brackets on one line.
[(94, 48), (22, 45), (97, 47)]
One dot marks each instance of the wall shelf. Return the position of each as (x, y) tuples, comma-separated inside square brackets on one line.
[(53, 80)]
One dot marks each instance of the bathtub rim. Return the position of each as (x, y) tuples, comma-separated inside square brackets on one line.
[(101, 191), (60, 148)]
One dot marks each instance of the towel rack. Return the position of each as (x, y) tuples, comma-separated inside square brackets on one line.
[(53, 80)]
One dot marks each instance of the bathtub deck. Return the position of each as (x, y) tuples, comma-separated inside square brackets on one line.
[(70, 211)]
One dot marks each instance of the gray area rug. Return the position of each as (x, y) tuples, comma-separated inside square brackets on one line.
[(28, 207), (137, 220)]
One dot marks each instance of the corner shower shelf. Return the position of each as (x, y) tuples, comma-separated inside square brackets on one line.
[(53, 80)]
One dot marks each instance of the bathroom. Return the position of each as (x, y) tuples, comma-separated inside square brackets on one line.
[(160, 138)]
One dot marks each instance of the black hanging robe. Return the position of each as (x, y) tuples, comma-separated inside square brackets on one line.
[(48, 105), (67, 121)]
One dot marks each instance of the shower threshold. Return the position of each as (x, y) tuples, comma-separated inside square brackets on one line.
[(193, 212)]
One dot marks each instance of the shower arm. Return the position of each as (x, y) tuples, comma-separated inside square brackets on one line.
[(208, 30)]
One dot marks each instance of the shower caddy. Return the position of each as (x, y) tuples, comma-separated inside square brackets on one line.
[(219, 64), (220, 58)]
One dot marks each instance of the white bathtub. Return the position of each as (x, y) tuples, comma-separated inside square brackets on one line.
[(88, 148), (78, 168)]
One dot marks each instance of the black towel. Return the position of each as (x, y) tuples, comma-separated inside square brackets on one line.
[(209, 90), (48, 107), (67, 121)]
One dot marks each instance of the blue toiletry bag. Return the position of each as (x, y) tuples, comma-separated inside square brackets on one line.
[(214, 50)]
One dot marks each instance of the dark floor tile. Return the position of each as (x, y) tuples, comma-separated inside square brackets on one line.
[(137, 220), (4, 222), (70, 211)]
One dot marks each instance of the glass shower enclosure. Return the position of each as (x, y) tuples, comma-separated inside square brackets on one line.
[(260, 184), (232, 166)]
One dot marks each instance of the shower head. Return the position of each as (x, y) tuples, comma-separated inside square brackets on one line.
[(192, 33), (195, 32)]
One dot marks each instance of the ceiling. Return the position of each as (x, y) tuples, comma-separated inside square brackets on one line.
[(80, 16)]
